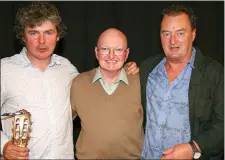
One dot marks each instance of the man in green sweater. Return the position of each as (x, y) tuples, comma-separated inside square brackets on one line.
[(108, 102), (182, 94)]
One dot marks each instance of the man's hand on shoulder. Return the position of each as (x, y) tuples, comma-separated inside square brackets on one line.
[(131, 68)]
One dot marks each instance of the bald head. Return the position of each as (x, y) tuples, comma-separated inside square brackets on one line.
[(113, 37), (111, 52)]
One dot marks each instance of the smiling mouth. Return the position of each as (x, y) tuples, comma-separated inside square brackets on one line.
[(111, 61)]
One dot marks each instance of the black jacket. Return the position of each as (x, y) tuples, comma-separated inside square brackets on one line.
[(206, 102)]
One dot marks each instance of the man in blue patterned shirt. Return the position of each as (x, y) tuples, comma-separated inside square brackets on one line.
[(182, 94)]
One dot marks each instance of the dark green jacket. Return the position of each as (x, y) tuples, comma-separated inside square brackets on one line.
[(206, 102)]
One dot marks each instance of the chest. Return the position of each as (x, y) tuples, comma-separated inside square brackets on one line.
[(28, 86)]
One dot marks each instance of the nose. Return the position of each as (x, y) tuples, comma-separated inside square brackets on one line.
[(41, 39), (173, 39), (111, 53)]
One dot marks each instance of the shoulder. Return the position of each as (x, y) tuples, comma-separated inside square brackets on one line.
[(66, 65), (149, 64), (133, 78), (9, 62), (10, 59), (151, 60), (211, 70), (210, 65), (62, 60), (85, 77), (206, 63)]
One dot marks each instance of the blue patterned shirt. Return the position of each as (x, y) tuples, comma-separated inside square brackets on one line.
[(167, 110)]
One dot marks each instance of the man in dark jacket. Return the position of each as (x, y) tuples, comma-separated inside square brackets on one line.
[(182, 94)]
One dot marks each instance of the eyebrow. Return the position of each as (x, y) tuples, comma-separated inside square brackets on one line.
[(111, 47), (34, 30), (182, 29)]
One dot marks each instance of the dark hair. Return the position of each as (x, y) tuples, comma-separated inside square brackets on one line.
[(35, 14), (177, 9)]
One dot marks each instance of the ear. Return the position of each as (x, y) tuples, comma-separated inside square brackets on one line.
[(193, 35), (57, 38), (23, 39), (127, 53), (96, 52)]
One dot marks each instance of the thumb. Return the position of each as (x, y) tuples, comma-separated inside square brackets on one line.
[(167, 151)]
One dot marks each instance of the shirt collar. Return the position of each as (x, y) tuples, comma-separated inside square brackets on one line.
[(122, 76), (54, 60), (191, 61), (26, 62)]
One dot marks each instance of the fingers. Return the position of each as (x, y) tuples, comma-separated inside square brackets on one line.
[(127, 65), (11, 151), (131, 68), (16, 155), (20, 152), (167, 151), (181, 151), (137, 71), (130, 65), (167, 157), (13, 156), (133, 71), (167, 154)]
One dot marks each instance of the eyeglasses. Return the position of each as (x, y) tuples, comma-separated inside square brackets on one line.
[(116, 51)]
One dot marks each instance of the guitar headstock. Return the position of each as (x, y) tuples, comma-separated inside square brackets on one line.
[(21, 128)]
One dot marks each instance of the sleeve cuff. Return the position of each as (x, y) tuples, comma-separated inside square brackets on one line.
[(4, 140)]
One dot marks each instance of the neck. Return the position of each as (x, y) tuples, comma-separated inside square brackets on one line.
[(39, 64), (177, 64), (174, 67), (110, 76)]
